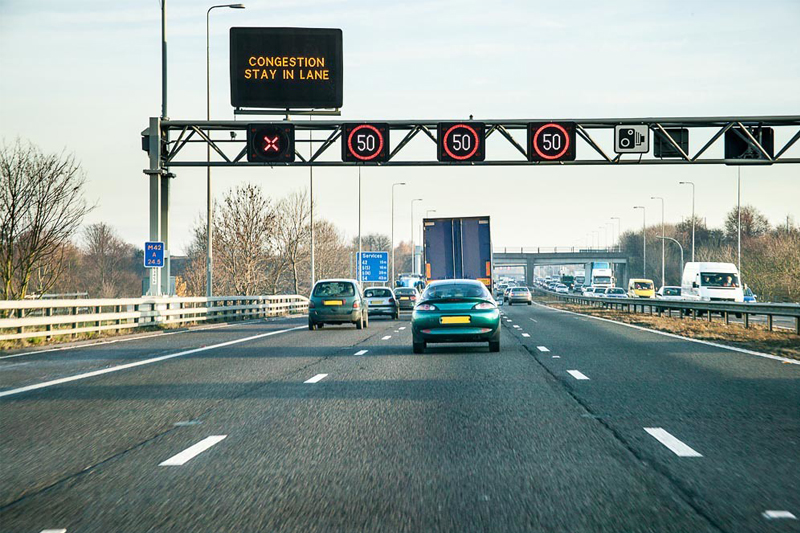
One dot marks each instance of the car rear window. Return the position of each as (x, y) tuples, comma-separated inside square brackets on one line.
[(519, 289), (378, 293), (672, 292), (616, 291), (455, 290), (405, 292), (325, 289)]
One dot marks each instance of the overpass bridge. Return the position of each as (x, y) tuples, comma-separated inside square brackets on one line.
[(531, 257)]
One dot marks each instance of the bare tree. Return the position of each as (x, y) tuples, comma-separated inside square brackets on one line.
[(110, 269), (754, 223), (41, 207), (293, 233), (332, 255), (243, 245)]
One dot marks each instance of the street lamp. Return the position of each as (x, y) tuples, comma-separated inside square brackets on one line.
[(644, 239), (663, 282), (618, 231), (209, 253), (413, 249), (663, 244), (393, 186), (692, 184)]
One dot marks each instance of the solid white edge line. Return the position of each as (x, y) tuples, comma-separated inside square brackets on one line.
[(577, 374), (542, 348), (137, 337), (317, 378), (192, 451), (772, 514), (361, 352), (675, 446), (674, 336), (100, 372)]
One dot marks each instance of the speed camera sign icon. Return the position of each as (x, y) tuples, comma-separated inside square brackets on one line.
[(632, 139)]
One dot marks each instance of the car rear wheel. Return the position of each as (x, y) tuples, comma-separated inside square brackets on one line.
[(360, 323), (529, 303), (419, 347), (311, 325), (494, 346), (366, 321)]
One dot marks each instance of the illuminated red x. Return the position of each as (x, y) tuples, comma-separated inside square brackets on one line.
[(271, 144)]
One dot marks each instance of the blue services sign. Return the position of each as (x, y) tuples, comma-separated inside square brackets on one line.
[(374, 266), (154, 254)]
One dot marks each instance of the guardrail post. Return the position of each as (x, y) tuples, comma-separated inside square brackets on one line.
[(746, 317), (769, 322), (48, 327), (709, 315), (694, 314), (97, 311), (797, 325), (74, 311), (20, 314)]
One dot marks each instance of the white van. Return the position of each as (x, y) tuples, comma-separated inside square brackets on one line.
[(711, 282)]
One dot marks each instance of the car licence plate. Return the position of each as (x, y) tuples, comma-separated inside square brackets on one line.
[(404, 297), (332, 302), (454, 320)]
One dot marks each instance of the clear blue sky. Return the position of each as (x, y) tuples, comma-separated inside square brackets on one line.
[(84, 77)]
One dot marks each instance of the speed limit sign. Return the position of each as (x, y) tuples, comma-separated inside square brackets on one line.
[(551, 141), (461, 141), (365, 143)]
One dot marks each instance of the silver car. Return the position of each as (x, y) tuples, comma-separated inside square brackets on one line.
[(519, 295)]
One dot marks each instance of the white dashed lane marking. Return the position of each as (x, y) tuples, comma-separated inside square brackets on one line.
[(516, 326), (54, 531), (577, 374), (556, 357), (361, 352), (542, 348), (193, 451), (401, 329), (317, 378), (771, 515), (677, 447), (386, 338), (535, 320), (526, 335)]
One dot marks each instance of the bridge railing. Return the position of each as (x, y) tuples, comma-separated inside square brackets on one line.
[(27, 319), (552, 249), (689, 308)]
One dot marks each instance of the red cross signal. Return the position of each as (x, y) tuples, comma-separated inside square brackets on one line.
[(270, 143)]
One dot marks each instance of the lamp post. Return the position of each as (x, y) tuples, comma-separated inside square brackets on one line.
[(692, 184), (663, 244), (618, 231), (413, 249), (209, 209), (679, 246), (393, 186), (739, 216), (644, 239), (358, 257)]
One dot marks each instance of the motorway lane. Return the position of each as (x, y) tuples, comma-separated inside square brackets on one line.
[(52, 434), (458, 439), (739, 411)]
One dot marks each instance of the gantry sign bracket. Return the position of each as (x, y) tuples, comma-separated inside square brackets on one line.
[(228, 139)]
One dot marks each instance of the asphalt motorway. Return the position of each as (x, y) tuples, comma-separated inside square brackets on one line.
[(576, 425)]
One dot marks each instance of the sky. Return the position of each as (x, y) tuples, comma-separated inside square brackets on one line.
[(83, 77)]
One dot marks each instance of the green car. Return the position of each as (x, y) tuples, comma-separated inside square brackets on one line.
[(459, 310), (337, 301)]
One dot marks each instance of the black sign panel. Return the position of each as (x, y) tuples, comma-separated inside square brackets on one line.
[(551, 141), (737, 147), (365, 143), (270, 143), (461, 141), (663, 148), (286, 68)]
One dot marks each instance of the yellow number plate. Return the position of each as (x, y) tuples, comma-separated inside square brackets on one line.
[(404, 297), (332, 302), (454, 320)]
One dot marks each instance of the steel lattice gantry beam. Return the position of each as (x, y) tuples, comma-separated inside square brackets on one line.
[(227, 139)]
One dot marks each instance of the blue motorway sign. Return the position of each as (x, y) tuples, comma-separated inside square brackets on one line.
[(374, 266), (154, 254)]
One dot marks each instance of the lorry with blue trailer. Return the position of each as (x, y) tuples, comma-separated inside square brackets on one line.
[(458, 248)]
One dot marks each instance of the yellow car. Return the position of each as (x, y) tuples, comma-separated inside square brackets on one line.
[(641, 288)]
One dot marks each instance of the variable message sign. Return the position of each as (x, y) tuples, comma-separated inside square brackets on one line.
[(286, 68), (373, 266), (365, 143), (551, 141), (738, 147), (461, 141)]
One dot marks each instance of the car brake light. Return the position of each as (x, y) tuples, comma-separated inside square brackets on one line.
[(355, 305), (426, 307), (413, 297), (484, 305)]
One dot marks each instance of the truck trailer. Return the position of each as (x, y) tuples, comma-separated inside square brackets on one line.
[(458, 248)]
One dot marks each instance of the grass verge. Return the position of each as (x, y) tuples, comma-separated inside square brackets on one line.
[(757, 337)]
